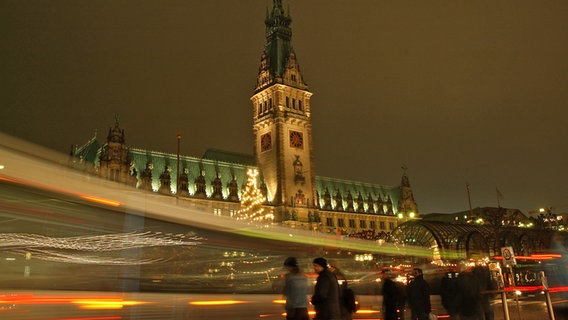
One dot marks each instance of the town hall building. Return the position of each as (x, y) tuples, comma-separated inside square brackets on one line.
[(282, 155)]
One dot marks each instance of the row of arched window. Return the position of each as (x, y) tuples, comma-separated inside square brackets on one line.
[(291, 103)]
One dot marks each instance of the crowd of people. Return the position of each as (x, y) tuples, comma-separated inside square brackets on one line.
[(465, 295)]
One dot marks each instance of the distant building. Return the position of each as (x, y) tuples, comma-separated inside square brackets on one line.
[(283, 155), (481, 215)]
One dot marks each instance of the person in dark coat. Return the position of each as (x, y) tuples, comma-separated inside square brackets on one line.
[(326, 292), (346, 314), (470, 301), (449, 294), (483, 275), (418, 295), (390, 296)]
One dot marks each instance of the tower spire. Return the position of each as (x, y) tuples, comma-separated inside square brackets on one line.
[(278, 38), (278, 56)]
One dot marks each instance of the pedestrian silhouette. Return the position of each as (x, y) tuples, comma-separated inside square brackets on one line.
[(295, 291)]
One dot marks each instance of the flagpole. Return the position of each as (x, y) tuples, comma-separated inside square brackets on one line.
[(469, 199), (498, 196)]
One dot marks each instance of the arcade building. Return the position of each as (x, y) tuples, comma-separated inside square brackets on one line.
[(282, 155)]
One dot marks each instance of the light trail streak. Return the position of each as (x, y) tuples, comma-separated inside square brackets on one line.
[(107, 242), (108, 202), (336, 242), (83, 302), (105, 303), (217, 302), (56, 249)]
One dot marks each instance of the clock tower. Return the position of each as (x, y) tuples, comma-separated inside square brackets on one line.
[(281, 123)]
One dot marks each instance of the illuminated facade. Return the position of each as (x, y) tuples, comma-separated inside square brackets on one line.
[(282, 154)]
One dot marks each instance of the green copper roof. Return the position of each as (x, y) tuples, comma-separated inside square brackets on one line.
[(355, 188), (194, 166), (89, 152), (230, 157), (230, 164)]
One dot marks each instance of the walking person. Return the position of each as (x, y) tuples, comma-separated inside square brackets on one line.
[(470, 300), (418, 295), (326, 292), (295, 291), (488, 287), (347, 303), (450, 295), (390, 296)]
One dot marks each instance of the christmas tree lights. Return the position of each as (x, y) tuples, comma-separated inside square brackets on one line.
[(252, 200)]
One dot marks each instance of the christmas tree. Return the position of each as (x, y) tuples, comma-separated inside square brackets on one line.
[(252, 200)]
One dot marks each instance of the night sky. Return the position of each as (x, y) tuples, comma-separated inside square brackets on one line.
[(457, 91)]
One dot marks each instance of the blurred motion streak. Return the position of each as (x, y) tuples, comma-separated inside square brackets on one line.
[(217, 302), (84, 302), (111, 203), (40, 246), (106, 303), (94, 318)]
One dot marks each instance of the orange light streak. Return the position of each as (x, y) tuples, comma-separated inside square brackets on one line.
[(217, 302), (95, 318), (111, 203), (106, 303), (84, 302)]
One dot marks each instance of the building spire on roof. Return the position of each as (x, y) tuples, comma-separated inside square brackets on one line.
[(278, 38), (277, 5), (278, 57)]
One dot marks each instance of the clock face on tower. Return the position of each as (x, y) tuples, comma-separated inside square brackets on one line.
[(296, 139), (265, 142)]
